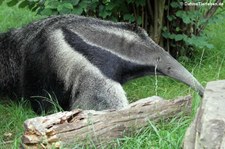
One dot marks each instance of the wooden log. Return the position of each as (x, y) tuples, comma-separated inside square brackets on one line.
[(78, 127)]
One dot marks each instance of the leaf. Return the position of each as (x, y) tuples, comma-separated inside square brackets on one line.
[(105, 2), (1, 1), (198, 41), (77, 10), (180, 13), (67, 5), (104, 13), (65, 8), (12, 3), (172, 36), (177, 29), (164, 28), (186, 20), (110, 6), (73, 2), (23, 4), (46, 12), (34, 5), (139, 20), (175, 4), (186, 16), (83, 4), (126, 16), (65, 11), (113, 18), (140, 2), (52, 4), (130, 1), (178, 37), (93, 6), (170, 18), (129, 17), (61, 9), (166, 34)]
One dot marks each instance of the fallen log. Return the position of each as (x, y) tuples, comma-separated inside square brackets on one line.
[(207, 131), (78, 127)]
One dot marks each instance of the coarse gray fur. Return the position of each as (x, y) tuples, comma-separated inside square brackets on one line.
[(83, 61)]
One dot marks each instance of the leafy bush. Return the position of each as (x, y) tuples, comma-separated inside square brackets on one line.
[(185, 27), (170, 23)]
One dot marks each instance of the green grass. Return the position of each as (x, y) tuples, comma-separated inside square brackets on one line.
[(13, 17), (12, 117), (159, 135), (207, 65)]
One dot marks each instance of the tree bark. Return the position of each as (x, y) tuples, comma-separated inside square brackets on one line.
[(98, 128), (209, 14)]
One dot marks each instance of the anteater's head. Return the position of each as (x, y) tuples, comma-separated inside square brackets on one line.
[(163, 63)]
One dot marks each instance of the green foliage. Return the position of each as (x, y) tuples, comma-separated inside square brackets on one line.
[(192, 40), (116, 10), (186, 25), (157, 136), (52, 99), (183, 32), (13, 17), (12, 117)]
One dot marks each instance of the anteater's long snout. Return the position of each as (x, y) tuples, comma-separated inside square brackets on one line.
[(172, 68)]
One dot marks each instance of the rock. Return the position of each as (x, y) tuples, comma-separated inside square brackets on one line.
[(208, 128)]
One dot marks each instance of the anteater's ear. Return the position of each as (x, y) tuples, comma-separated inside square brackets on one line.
[(134, 26)]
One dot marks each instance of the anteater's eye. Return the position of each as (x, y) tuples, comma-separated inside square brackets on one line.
[(169, 70)]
